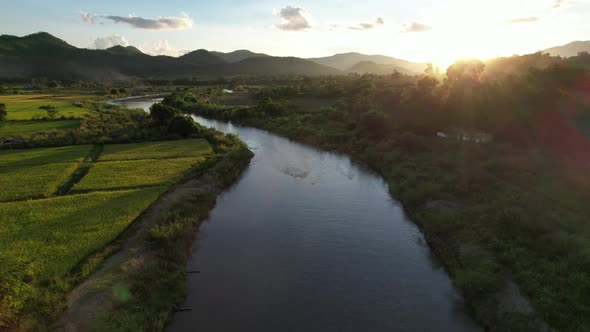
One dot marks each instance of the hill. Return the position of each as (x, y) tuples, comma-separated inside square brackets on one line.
[(239, 55), (201, 57), (122, 50), (345, 61), (569, 50), (370, 67), (43, 55)]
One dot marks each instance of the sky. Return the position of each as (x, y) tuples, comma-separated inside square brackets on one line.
[(415, 30)]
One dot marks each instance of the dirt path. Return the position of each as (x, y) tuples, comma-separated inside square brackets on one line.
[(98, 295)]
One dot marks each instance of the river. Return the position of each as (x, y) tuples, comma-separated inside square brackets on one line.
[(308, 240)]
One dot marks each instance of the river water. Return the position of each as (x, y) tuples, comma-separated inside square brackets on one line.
[(307, 240)]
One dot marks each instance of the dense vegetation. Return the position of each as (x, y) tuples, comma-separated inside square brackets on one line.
[(512, 209), (44, 241), (82, 194)]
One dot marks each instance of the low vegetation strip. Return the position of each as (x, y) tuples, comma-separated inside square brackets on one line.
[(136, 173), (13, 128), (43, 240), (26, 107), (62, 154), (150, 268), (24, 182), (157, 150)]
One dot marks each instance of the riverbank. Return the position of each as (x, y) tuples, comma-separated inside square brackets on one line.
[(137, 288), (483, 219)]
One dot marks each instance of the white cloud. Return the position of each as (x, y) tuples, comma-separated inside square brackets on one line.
[(102, 43), (293, 19), (523, 20), (87, 17), (162, 47), (417, 27), (558, 3), (368, 26), (161, 23)]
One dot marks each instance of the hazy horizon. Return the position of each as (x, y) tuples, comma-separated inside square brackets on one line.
[(417, 31)]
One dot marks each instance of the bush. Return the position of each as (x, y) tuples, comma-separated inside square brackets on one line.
[(3, 112), (162, 115), (182, 125)]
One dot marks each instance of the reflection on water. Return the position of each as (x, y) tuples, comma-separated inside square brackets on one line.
[(309, 241), (143, 103)]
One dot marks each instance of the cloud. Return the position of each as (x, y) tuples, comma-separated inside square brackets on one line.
[(162, 47), (293, 19), (161, 23), (522, 20), (558, 3), (109, 41), (367, 26), (87, 17), (416, 27)]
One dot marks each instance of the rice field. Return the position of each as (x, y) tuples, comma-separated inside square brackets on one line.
[(62, 154), (156, 150), (55, 234), (46, 233), (26, 106), (14, 128), (135, 173), (36, 181)]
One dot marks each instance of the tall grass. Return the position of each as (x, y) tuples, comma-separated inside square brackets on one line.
[(135, 173), (43, 240), (156, 150)]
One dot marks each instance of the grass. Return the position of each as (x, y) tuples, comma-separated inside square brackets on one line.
[(237, 99), (79, 206), (135, 173), (13, 128), (23, 182), (62, 154), (156, 150), (312, 104), (26, 106), (43, 240)]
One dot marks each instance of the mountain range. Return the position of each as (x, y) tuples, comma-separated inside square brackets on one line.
[(569, 50), (43, 55)]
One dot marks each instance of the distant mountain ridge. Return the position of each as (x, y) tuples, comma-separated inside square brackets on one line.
[(347, 61), (569, 50), (370, 67), (239, 55), (43, 55)]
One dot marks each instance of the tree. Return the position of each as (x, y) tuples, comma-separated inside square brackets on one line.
[(114, 91), (182, 125), (465, 71), (161, 114), (3, 113), (50, 109)]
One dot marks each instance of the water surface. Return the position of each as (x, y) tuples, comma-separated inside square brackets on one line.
[(309, 241)]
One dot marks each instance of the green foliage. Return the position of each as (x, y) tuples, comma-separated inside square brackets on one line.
[(27, 157), (183, 126), (3, 112), (26, 106), (43, 240), (136, 173), (50, 109), (157, 150), (162, 115), (17, 128), (22, 182)]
